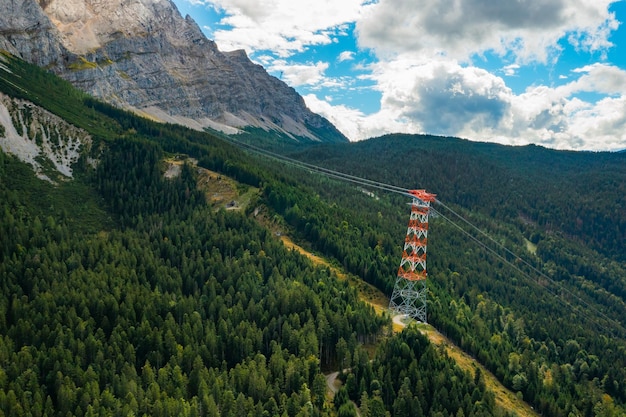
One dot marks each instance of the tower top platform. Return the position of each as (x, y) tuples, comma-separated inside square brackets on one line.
[(422, 195)]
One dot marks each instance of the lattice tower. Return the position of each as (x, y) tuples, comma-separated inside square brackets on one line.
[(409, 292)]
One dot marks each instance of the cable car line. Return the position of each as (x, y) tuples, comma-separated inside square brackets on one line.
[(403, 191), (539, 273), (529, 265)]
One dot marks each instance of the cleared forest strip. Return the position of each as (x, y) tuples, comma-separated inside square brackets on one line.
[(505, 398), (221, 191), (367, 292)]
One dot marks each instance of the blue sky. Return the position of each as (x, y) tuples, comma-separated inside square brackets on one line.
[(549, 72)]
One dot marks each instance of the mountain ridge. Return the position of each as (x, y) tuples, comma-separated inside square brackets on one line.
[(538, 180), (144, 56)]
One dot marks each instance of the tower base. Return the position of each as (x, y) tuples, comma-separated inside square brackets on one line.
[(409, 297)]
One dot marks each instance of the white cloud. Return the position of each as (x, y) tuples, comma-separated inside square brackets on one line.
[(346, 56), (545, 116), (455, 29), (282, 26), (511, 70), (300, 74), (444, 98), (459, 29), (602, 125), (441, 97), (354, 123), (264, 60), (600, 78)]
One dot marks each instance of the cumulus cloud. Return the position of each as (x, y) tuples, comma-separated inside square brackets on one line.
[(510, 70), (355, 124), (600, 78), (448, 99), (282, 26), (457, 29), (558, 118), (601, 125), (452, 28), (443, 96)]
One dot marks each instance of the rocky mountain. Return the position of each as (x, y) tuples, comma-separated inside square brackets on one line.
[(143, 55)]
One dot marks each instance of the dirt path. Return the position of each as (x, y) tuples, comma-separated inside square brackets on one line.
[(399, 322), (367, 292), (333, 387), (220, 190), (505, 399), (331, 382)]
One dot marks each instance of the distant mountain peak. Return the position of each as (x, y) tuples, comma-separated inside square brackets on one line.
[(143, 55)]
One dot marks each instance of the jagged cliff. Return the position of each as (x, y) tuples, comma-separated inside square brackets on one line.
[(142, 54)]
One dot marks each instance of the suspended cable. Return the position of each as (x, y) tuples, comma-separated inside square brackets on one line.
[(403, 191), (531, 280), (325, 171), (529, 265)]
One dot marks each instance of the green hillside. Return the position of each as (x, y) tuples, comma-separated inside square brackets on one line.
[(540, 322), (125, 292)]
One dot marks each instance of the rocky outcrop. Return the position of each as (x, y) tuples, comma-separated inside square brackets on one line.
[(45, 141), (142, 54)]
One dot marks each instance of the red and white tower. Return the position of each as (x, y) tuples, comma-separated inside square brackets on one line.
[(409, 292)]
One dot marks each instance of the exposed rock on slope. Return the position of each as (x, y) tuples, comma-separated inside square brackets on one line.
[(144, 55), (40, 138)]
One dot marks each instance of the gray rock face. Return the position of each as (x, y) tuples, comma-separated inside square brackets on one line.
[(143, 55), (26, 31)]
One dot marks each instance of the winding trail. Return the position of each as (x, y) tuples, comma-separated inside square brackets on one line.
[(331, 382), (398, 321)]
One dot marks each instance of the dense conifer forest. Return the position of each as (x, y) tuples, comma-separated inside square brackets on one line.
[(125, 292), (540, 329)]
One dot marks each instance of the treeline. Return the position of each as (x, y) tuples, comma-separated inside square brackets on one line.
[(580, 194)]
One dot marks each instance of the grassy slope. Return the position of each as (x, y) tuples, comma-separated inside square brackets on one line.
[(505, 398)]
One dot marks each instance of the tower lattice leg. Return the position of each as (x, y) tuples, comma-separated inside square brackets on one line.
[(409, 292)]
